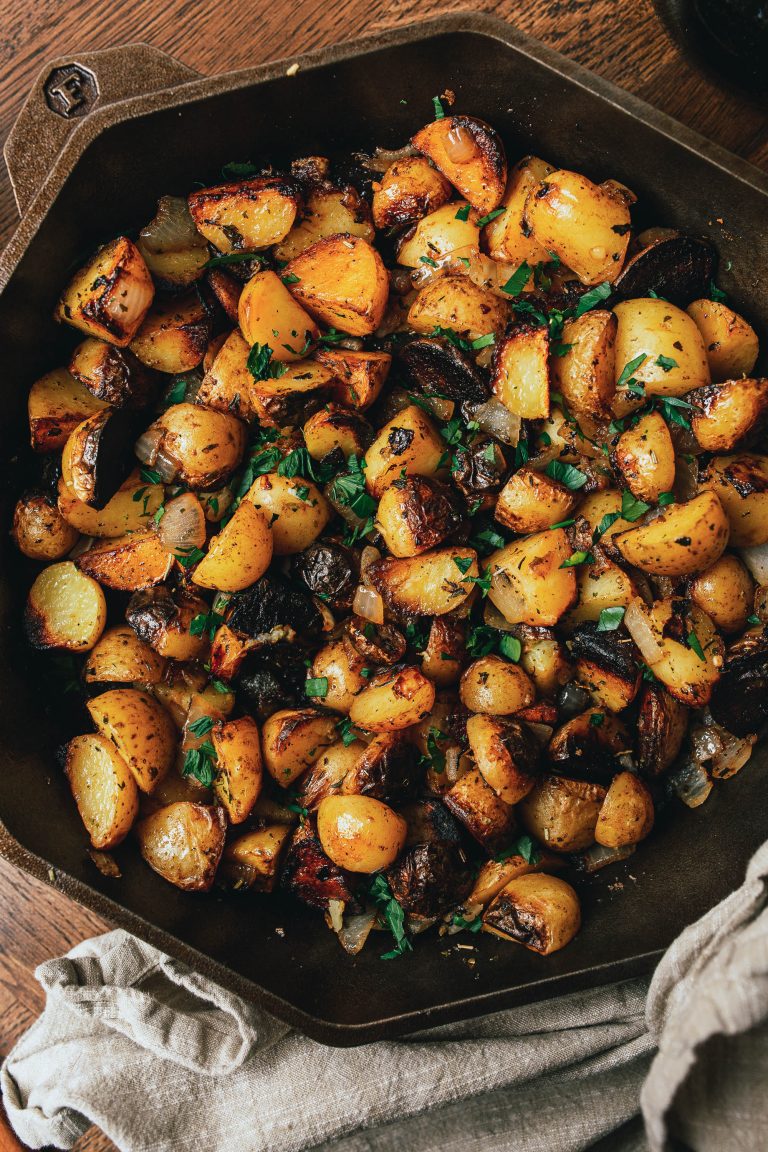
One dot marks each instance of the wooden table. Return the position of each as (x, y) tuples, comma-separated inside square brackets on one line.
[(622, 42)]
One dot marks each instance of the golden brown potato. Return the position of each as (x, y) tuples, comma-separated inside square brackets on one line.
[(227, 382), (645, 456), (296, 507), (681, 669), (112, 374), (723, 414), (394, 699), (327, 212), (287, 399), (342, 672), (495, 686), (141, 730), (357, 377), (520, 372), (120, 657), (205, 446), (293, 739), (408, 190), (430, 584), (270, 316), (441, 234), (741, 485), (174, 334), (127, 563), (343, 282), (581, 740), (504, 235), (173, 250), (165, 621), (600, 585), (726, 592), (359, 833), (528, 582), (40, 531), (586, 225), (610, 676), (731, 343), (626, 816), (586, 374), (506, 753), (443, 657), (104, 790), (327, 774), (562, 813), (336, 427), (409, 441), (452, 300), (683, 539), (673, 359), (546, 662), (531, 501), (239, 554), (131, 509), (470, 154), (237, 783), (595, 507), (416, 514), (57, 403), (484, 814), (93, 463), (65, 609), (539, 911), (110, 296), (246, 215), (252, 861), (228, 651), (183, 842), (495, 875)]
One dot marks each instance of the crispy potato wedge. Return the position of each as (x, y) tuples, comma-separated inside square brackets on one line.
[(246, 215), (174, 334), (731, 343), (440, 234), (296, 509), (97, 456), (683, 539), (328, 773), (40, 531), (141, 730), (470, 154), (56, 404), (562, 813), (645, 457), (520, 372), (105, 792), (110, 296), (531, 501), (408, 190), (416, 514), (292, 739), (430, 584), (206, 446), (357, 377), (239, 771), (65, 609), (112, 374), (504, 235), (452, 300), (127, 563), (674, 359), (726, 592), (538, 911), (528, 583), (183, 842), (506, 753), (253, 859), (165, 621), (600, 585), (409, 442), (343, 282), (269, 315), (626, 815), (131, 509), (586, 374), (393, 700), (741, 484), (327, 212), (303, 388), (227, 384), (484, 814), (334, 427), (121, 657), (723, 414), (240, 554), (680, 669), (443, 657)]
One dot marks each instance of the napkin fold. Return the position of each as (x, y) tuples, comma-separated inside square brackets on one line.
[(164, 1061)]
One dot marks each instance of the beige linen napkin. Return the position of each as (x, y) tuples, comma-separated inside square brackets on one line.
[(163, 1061)]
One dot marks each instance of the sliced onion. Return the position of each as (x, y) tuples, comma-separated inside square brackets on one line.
[(130, 305), (356, 931), (368, 556), (496, 420), (691, 783), (167, 467), (460, 147), (183, 524), (756, 559), (598, 857), (336, 915), (733, 756), (383, 157), (368, 604), (173, 229), (84, 544), (147, 445), (572, 700), (494, 619), (639, 627)]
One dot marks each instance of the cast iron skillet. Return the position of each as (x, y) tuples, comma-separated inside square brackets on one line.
[(136, 125)]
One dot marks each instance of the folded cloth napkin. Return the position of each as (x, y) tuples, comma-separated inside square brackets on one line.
[(163, 1061)]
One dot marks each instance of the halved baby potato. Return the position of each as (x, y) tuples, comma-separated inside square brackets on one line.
[(292, 739), (65, 609), (56, 404), (531, 501), (174, 334), (105, 792), (336, 428), (110, 296), (183, 842), (342, 672), (327, 212), (680, 668), (529, 584), (252, 860), (562, 813), (452, 300), (626, 815), (724, 413), (408, 190), (141, 730), (395, 699), (121, 657), (666, 343), (488, 818), (470, 154), (408, 443), (270, 316), (97, 456), (131, 509), (416, 514), (357, 377), (725, 591), (294, 507), (731, 343), (127, 563), (741, 485), (206, 446), (585, 374), (227, 384), (683, 539), (645, 456), (504, 235), (520, 371), (290, 397), (112, 374), (239, 554), (506, 753), (246, 215), (40, 531), (343, 282), (430, 584), (239, 771), (441, 233), (539, 911), (164, 620)]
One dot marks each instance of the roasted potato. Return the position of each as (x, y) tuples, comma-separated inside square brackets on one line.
[(327, 774), (356, 377), (725, 591), (496, 687), (683, 539), (342, 672), (112, 374), (520, 372), (387, 768), (529, 584), (504, 235), (416, 514), (661, 726), (689, 676), (65, 609), (183, 842), (723, 414), (110, 296), (253, 859), (293, 739), (531, 501), (408, 190), (174, 335), (131, 509), (167, 621), (227, 382), (488, 818), (327, 212), (247, 215), (562, 813), (663, 343), (507, 755), (430, 584), (237, 782), (546, 662), (40, 531), (104, 789), (294, 510), (626, 815), (539, 911), (121, 657), (470, 154), (96, 461), (605, 666), (731, 343), (645, 457), (409, 442), (126, 563), (452, 300), (444, 654), (140, 729), (585, 374), (204, 446), (343, 282), (395, 699), (441, 234), (600, 585), (56, 405), (239, 554), (359, 833), (270, 316), (335, 428), (741, 485)]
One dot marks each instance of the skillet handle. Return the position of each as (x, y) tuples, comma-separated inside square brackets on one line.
[(66, 91)]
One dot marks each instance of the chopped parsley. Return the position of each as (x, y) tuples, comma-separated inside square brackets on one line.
[(577, 559), (349, 490), (517, 280), (176, 393), (592, 298), (317, 686), (437, 104), (471, 925), (694, 644), (626, 377), (510, 647), (346, 731), (753, 620), (483, 582), (392, 913), (206, 622), (717, 294), (666, 498), (463, 563), (523, 846), (261, 365), (188, 557), (610, 619), (202, 726), (566, 474), (632, 508), (607, 522), (490, 216), (237, 168), (201, 763), (463, 212), (289, 278), (596, 719), (298, 462), (666, 363), (483, 341)]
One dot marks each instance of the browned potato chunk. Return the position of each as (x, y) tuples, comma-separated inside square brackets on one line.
[(237, 783), (504, 235), (174, 334), (110, 296), (415, 514), (442, 233), (111, 374), (626, 816), (246, 215), (104, 790), (357, 377), (531, 501), (295, 508), (684, 539), (484, 814), (680, 668), (336, 427), (726, 592), (506, 753), (240, 554), (95, 461), (595, 507), (205, 446), (539, 911), (430, 584), (520, 372), (452, 300), (443, 657), (586, 374), (327, 212), (141, 730), (173, 249), (600, 585), (57, 403), (723, 414), (546, 662), (127, 563), (393, 700), (528, 582), (40, 531), (183, 842), (409, 441), (645, 456), (731, 343), (562, 813), (343, 282), (327, 774), (270, 316), (131, 509), (470, 154), (586, 225), (359, 833), (495, 686), (228, 652), (120, 657), (227, 382), (164, 621), (287, 399), (661, 727), (253, 859), (741, 485), (342, 672), (672, 356), (65, 609), (293, 739), (409, 189)]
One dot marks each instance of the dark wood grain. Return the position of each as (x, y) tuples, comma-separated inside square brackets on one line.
[(623, 42)]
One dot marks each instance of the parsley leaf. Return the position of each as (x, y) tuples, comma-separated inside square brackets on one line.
[(523, 846), (510, 647), (463, 212), (349, 490), (438, 107), (483, 342), (596, 719), (346, 730), (392, 914), (176, 393), (236, 168), (578, 558), (632, 508), (666, 498), (490, 216), (592, 298), (753, 620), (202, 726), (517, 280), (666, 363), (261, 365), (571, 477), (473, 925), (694, 644), (717, 294), (463, 563), (607, 522), (609, 619), (201, 763), (629, 369), (298, 462), (205, 622), (188, 557), (483, 582), (316, 686)]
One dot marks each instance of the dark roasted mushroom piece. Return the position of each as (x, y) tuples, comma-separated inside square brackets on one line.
[(329, 570), (679, 268), (428, 821), (586, 747), (388, 769), (437, 368), (271, 678), (308, 873), (478, 469), (150, 612), (739, 700), (661, 725), (272, 604), (376, 643), (430, 878)]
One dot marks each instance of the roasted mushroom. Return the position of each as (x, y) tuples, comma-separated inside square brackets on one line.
[(739, 699), (438, 368), (678, 268)]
